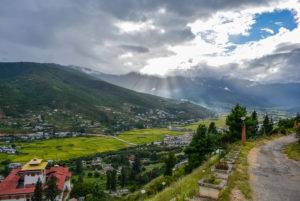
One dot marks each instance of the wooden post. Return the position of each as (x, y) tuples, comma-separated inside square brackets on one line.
[(244, 134)]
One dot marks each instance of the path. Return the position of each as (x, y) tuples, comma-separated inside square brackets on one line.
[(274, 177), (101, 135)]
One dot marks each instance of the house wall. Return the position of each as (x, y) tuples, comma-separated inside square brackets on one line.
[(32, 177)]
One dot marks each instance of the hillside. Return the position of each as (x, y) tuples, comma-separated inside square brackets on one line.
[(218, 94), (30, 89)]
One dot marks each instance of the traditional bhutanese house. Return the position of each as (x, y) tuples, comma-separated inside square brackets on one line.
[(20, 183)]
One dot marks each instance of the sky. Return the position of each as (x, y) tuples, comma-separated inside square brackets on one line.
[(257, 40)]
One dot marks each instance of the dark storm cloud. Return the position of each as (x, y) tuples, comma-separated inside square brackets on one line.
[(80, 32), (281, 66)]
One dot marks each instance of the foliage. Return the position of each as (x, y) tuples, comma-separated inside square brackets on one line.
[(92, 191), (111, 180), (298, 133), (212, 179), (267, 125), (286, 123), (136, 166), (124, 176), (187, 186), (79, 167), (212, 128), (222, 166), (51, 191), (38, 191), (252, 125), (293, 151), (169, 164), (234, 121), (203, 143)]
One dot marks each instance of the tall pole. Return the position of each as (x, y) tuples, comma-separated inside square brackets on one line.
[(243, 131), (244, 134)]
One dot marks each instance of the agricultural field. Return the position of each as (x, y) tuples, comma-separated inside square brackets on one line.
[(220, 123), (64, 148), (143, 136), (67, 148)]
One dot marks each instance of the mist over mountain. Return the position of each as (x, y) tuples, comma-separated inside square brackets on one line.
[(216, 93)]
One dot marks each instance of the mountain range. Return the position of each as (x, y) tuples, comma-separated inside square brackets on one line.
[(218, 94), (33, 88)]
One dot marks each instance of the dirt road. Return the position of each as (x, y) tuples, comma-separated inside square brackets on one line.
[(274, 177)]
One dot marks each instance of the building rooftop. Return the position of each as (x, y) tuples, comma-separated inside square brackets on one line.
[(34, 164), (13, 185)]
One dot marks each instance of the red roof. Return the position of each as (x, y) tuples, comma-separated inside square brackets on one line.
[(9, 186), (61, 173)]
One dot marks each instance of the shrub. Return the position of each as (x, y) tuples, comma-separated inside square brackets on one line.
[(96, 174), (222, 166)]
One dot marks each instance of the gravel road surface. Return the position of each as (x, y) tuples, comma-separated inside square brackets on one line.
[(274, 177)]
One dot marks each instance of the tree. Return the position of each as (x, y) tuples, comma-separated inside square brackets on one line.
[(297, 118), (111, 180), (169, 164), (202, 144), (212, 128), (123, 176), (136, 166), (234, 121), (252, 124), (5, 170), (79, 167), (51, 191), (298, 134), (267, 125), (38, 191)]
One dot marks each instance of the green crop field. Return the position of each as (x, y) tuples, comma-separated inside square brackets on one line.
[(220, 123), (64, 148), (142, 136)]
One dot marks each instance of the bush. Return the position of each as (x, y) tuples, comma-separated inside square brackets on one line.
[(222, 166), (96, 174), (90, 174)]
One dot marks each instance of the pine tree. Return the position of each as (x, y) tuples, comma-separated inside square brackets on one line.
[(79, 167), (203, 143), (136, 165), (252, 124), (51, 191), (123, 177), (212, 128), (267, 125), (169, 164), (234, 121), (113, 180), (38, 191)]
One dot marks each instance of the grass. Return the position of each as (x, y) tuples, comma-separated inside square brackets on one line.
[(293, 151), (67, 148), (220, 123), (186, 186), (64, 148), (143, 136)]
